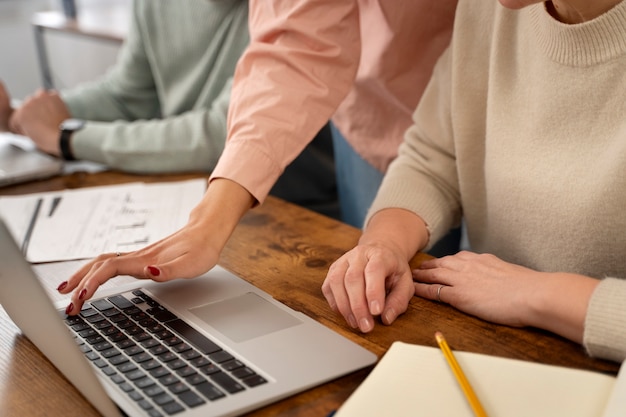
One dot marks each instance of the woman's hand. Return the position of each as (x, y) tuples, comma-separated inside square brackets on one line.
[(374, 278), (188, 253), (367, 281), (500, 292), (185, 254)]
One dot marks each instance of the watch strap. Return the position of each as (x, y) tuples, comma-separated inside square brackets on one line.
[(64, 144)]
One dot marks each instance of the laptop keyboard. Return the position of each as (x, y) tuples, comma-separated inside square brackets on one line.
[(158, 360)]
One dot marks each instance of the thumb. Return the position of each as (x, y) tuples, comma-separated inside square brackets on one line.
[(397, 300)]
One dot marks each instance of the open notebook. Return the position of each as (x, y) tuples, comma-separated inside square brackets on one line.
[(413, 380), (211, 346)]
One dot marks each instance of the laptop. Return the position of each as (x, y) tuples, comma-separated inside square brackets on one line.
[(211, 346), (20, 161)]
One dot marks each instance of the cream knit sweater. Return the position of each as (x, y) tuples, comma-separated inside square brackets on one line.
[(522, 132)]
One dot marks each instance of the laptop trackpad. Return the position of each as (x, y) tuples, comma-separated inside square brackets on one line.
[(245, 317)]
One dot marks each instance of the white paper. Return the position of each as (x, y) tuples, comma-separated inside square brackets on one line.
[(83, 223)]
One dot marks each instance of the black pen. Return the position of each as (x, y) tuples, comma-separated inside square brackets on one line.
[(54, 205), (31, 226)]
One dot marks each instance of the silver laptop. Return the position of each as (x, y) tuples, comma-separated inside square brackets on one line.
[(20, 161), (211, 346)]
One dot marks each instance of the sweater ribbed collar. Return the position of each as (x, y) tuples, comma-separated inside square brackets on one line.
[(583, 44)]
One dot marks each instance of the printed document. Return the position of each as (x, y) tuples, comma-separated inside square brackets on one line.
[(85, 222)]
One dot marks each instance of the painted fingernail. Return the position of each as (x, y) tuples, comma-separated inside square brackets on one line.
[(69, 308), (62, 286), (154, 270), (82, 293)]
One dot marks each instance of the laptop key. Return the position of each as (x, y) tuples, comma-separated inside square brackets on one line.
[(227, 382), (162, 314), (196, 338), (191, 399), (243, 372), (173, 408), (209, 391), (232, 365), (221, 357), (102, 304), (159, 372), (195, 379), (163, 398), (254, 381), (120, 302)]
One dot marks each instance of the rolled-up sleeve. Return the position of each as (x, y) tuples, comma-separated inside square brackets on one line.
[(299, 66)]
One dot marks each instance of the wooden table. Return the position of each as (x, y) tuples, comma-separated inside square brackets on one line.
[(286, 251)]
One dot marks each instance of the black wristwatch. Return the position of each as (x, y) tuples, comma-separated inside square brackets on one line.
[(68, 127)]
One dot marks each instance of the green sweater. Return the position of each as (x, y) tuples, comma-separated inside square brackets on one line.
[(522, 133), (163, 106)]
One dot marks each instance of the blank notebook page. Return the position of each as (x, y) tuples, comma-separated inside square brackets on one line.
[(413, 380)]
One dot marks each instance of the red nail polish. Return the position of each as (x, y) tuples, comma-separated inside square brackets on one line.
[(69, 308), (154, 271), (62, 286), (82, 294)]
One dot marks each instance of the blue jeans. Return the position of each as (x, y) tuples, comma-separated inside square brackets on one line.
[(357, 185), (357, 181)]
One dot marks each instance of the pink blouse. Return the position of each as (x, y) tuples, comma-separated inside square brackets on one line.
[(363, 63)]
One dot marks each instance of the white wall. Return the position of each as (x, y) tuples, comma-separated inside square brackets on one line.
[(18, 60), (73, 59)]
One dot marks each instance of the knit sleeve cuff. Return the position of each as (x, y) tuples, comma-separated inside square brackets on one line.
[(605, 324)]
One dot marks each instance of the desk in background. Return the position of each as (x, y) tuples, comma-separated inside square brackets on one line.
[(105, 21), (284, 250)]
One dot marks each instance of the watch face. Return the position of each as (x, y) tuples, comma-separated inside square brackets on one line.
[(72, 124)]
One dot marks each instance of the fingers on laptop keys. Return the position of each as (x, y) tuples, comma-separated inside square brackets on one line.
[(90, 277)]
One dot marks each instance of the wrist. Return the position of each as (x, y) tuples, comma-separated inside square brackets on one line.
[(559, 304), (220, 210), (403, 231)]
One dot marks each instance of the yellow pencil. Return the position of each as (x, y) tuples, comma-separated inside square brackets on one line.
[(460, 376)]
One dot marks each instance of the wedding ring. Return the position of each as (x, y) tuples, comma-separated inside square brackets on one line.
[(439, 293)]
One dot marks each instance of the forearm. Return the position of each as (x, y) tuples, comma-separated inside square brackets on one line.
[(218, 213), (559, 304), (190, 142), (401, 229), (274, 78)]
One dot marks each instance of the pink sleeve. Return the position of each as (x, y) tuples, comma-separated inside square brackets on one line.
[(300, 64)]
